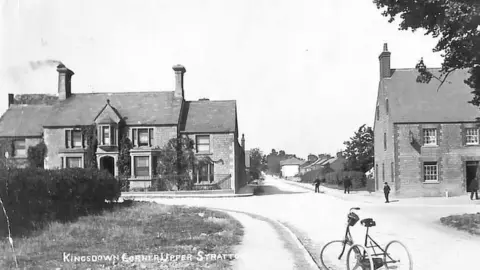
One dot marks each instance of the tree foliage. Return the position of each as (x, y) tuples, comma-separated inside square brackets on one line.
[(257, 163), (124, 160), (455, 23), (359, 150), (177, 157), (89, 133)]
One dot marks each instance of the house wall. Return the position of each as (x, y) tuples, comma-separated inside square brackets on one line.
[(451, 155), (384, 158), (290, 170), (55, 140), (21, 162)]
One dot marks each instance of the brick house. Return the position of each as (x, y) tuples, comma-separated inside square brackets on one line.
[(148, 119), (426, 137)]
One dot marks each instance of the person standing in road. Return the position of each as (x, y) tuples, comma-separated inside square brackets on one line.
[(317, 185), (474, 186), (347, 183), (386, 191)]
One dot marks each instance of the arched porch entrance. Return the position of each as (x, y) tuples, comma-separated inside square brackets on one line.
[(108, 163)]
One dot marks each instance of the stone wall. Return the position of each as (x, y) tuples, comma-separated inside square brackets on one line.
[(451, 155)]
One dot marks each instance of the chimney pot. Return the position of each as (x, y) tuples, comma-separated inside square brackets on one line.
[(179, 72), (64, 82), (384, 60), (11, 100)]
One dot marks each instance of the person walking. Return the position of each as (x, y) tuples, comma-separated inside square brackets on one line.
[(386, 191), (347, 183), (317, 185), (474, 187)]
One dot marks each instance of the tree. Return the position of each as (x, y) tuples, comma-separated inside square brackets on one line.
[(312, 158), (256, 157), (359, 150), (455, 23), (36, 155)]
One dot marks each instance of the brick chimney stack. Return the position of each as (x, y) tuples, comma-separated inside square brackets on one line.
[(64, 82), (11, 100), (384, 59), (179, 72)]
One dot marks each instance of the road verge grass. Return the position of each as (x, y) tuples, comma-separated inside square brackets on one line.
[(466, 222), (145, 229)]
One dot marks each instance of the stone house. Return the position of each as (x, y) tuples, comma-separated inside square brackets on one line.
[(148, 119), (426, 137)]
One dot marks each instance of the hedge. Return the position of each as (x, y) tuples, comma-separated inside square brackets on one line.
[(34, 196), (336, 178), (310, 176)]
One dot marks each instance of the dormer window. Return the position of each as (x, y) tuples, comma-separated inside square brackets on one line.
[(108, 135)]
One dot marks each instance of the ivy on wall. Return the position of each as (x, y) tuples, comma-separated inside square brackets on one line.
[(36, 155), (90, 139), (124, 161)]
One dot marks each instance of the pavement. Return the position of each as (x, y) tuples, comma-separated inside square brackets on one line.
[(303, 221), (378, 197)]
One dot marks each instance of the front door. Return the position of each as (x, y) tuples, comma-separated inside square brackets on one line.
[(471, 172), (108, 163)]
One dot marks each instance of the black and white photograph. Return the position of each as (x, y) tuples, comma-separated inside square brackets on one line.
[(239, 134)]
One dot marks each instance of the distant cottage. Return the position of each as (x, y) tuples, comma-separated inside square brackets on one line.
[(149, 119), (426, 141)]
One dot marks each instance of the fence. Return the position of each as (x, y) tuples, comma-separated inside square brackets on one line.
[(180, 182)]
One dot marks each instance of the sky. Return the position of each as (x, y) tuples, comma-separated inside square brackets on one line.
[(304, 73)]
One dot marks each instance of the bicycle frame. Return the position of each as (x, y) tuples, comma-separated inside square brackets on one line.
[(348, 236), (373, 245)]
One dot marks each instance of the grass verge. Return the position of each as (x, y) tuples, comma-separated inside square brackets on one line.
[(466, 222), (112, 238)]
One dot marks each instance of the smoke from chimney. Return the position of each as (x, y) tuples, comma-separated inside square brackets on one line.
[(34, 65)]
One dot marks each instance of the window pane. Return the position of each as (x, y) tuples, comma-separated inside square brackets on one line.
[(68, 138), (203, 139), (19, 148), (472, 136), (74, 162), (430, 136), (143, 136), (106, 135), (203, 148), (77, 138), (430, 171), (142, 167)]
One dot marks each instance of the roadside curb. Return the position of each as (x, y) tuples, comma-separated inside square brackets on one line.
[(309, 258), (172, 196)]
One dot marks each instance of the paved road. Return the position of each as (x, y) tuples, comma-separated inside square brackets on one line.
[(318, 218)]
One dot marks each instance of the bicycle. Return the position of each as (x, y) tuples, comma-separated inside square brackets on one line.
[(363, 258), (346, 241)]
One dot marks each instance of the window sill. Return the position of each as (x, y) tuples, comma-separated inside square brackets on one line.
[(431, 182), (430, 145), (203, 153), (472, 144)]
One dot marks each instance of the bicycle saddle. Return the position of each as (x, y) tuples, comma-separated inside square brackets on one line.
[(368, 222)]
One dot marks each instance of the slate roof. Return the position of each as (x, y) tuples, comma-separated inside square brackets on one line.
[(137, 108), (209, 116), (24, 120), (410, 101), (291, 161)]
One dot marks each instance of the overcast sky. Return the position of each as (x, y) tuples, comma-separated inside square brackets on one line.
[(304, 72)]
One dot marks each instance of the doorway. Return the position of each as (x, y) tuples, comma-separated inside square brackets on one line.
[(471, 172), (108, 163)]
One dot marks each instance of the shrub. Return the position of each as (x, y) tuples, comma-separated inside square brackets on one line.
[(36, 155), (35, 196)]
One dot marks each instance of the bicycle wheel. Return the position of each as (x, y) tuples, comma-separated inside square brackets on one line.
[(397, 256), (358, 258), (332, 255)]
